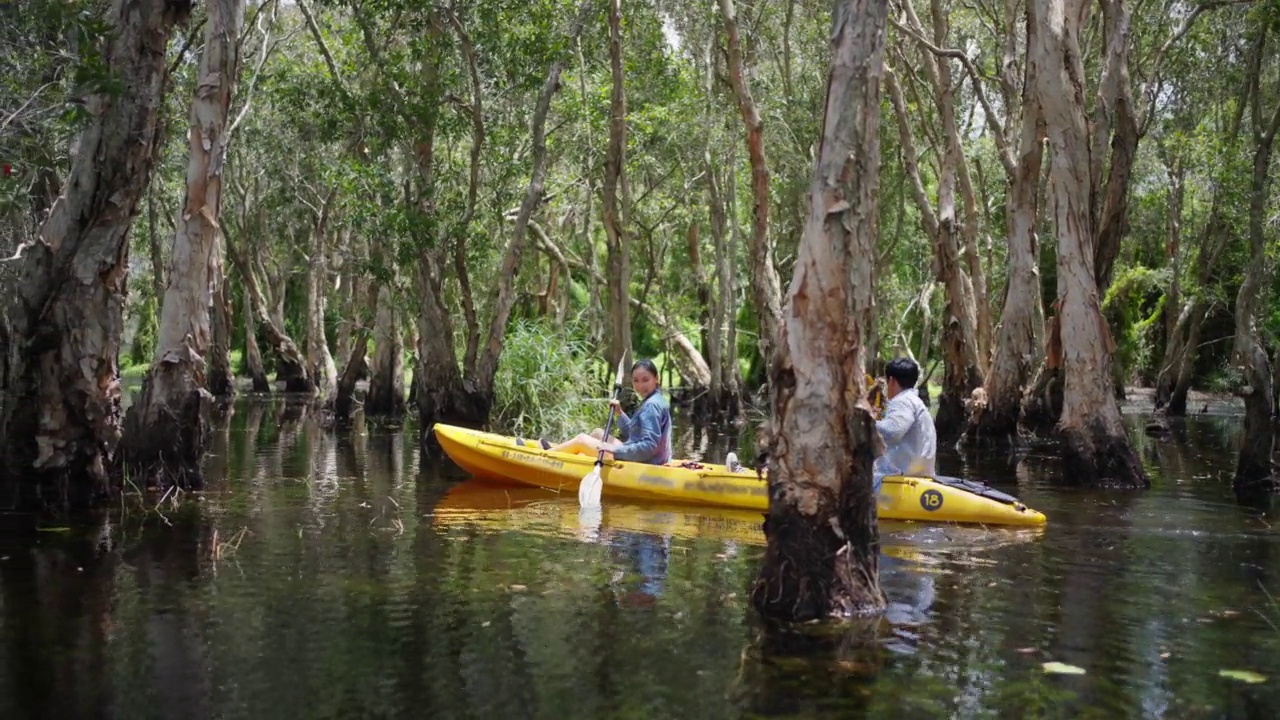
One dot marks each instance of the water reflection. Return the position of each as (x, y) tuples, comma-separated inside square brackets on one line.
[(338, 574)]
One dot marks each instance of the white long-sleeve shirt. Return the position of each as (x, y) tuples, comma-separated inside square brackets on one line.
[(911, 443)]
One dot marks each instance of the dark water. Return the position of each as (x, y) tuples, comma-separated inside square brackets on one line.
[(338, 575)]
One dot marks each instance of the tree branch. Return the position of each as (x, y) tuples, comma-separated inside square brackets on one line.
[(487, 365), (267, 46), (324, 49), (993, 120), (1152, 84)]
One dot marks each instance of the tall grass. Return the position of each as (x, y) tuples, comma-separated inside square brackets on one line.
[(545, 385)]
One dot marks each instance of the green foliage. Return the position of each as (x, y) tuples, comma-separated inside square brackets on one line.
[(144, 342), (544, 384), (1133, 308)]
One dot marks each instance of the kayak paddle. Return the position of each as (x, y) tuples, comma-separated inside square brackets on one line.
[(591, 486)]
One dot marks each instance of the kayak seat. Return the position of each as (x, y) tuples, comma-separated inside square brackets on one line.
[(977, 488)]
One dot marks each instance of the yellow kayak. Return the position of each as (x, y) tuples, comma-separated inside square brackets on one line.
[(499, 458)]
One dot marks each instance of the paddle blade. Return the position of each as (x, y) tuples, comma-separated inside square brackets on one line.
[(617, 381), (589, 519), (590, 488)]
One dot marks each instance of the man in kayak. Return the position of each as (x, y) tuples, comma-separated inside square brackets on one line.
[(648, 433), (910, 440)]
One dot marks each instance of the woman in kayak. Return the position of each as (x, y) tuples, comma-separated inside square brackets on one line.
[(647, 433)]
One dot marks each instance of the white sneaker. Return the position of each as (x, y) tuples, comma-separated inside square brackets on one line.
[(731, 462)]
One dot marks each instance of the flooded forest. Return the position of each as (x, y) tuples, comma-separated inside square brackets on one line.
[(253, 251)]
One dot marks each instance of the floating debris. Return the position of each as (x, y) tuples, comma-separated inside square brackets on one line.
[(1245, 676)]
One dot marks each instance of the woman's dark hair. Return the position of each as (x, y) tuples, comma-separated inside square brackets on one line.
[(649, 367), (904, 370)]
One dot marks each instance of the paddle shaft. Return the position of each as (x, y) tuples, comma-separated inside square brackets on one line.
[(608, 425)]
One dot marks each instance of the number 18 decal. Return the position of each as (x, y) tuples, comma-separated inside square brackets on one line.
[(931, 500)]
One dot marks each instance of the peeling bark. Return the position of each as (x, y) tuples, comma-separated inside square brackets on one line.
[(976, 279), (1114, 110), (1096, 449), (59, 388), (765, 285), (822, 558), (166, 429)]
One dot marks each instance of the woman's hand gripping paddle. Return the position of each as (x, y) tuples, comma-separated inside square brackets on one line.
[(591, 486)]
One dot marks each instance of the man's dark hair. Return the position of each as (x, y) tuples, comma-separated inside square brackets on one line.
[(904, 370)]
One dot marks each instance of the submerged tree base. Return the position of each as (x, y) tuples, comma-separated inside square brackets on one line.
[(706, 408), (1096, 457), (165, 435), (812, 569), (988, 428), (1042, 404), (455, 406)]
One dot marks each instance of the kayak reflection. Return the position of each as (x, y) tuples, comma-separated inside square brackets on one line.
[(641, 534)]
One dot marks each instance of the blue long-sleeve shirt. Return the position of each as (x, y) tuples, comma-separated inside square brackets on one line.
[(648, 434)]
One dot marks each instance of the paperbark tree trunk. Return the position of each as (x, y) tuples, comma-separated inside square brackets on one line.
[(595, 313), (476, 113), (822, 558), (1115, 127), (346, 298), (717, 298), (59, 387), (1174, 381), (618, 272), (443, 394), (1254, 473), (1017, 343), (166, 429), (1183, 343), (320, 365), (764, 275), (386, 377), (1095, 450), (344, 400), (222, 379), (722, 358), (708, 330), (289, 360), (727, 309), (974, 279), (961, 373), (253, 356)]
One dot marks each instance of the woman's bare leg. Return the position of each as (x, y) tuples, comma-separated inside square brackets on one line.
[(582, 444)]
